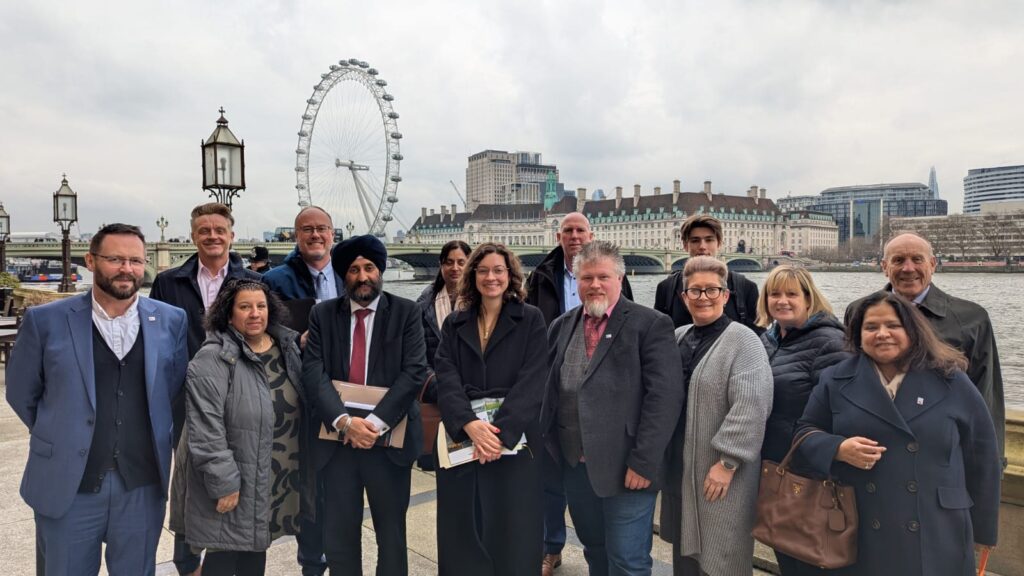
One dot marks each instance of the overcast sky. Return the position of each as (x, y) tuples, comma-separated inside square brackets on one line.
[(794, 97)]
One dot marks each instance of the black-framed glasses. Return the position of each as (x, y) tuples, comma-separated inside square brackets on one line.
[(712, 293), (318, 229), (121, 260)]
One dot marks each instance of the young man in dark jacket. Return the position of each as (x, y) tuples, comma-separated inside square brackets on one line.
[(702, 236), (193, 287)]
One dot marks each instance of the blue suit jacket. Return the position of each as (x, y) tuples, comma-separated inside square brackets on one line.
[(51, 385)]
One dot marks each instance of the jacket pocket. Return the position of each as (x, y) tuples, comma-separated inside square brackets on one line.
[(954, 498), (40, 447)]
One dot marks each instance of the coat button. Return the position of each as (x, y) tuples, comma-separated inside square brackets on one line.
[(870, 487), (96, 490), (912, 447), (82, 452), (89, 422), (912, 487), (875, 524), (913, 526)]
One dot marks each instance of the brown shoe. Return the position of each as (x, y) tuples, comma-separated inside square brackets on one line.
[(551, 561)]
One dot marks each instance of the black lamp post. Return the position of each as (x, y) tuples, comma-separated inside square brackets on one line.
[(65, 213), (350, 227), (5, 234), (223, 163)]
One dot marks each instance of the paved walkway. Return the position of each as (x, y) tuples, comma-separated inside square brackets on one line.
[(17, 540)]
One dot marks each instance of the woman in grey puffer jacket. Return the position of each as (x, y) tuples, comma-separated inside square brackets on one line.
[(240, 480), (803, 338)]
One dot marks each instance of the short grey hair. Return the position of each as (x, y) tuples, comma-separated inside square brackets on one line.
[(595, 251), (698, 264)]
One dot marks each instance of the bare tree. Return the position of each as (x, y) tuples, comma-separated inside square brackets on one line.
[(997, 231)]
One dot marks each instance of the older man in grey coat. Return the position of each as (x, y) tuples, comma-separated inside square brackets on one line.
[(614, 394)]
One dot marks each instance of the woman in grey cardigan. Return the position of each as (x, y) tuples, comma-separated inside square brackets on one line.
[(239, 478), (714, 460)]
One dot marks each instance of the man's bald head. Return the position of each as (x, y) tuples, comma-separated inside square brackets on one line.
[(909, 262), (573, 235)]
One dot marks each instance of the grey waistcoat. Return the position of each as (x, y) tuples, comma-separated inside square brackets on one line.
[(574, 368)]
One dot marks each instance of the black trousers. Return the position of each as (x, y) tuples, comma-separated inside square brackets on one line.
[(347, 475), (490, 519), (235, 563)]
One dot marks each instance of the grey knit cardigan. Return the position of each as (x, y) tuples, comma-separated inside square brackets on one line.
[(729, 400)]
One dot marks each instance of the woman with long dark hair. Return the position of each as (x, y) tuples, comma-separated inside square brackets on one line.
[(903, 425), (493, 349), (243, 477)]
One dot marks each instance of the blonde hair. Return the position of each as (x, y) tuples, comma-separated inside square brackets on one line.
[(786, 275)]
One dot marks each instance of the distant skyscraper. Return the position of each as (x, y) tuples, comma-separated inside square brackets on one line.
[(933, 183)]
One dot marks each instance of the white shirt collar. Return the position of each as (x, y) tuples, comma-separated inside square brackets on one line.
[(372, 306), (131, 312)]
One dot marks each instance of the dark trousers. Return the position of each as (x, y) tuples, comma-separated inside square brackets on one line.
[(490, 518), (311, 537), (128, 521), (554, 504), (347, 475), (235, 563)]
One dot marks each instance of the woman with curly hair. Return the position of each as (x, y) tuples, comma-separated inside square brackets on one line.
[(489, 512), (241, 478)]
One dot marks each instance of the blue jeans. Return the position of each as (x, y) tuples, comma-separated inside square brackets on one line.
[(617, 531)]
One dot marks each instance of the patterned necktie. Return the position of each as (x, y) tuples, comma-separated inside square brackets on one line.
[(592, 333), (321, 287), (357, 364)]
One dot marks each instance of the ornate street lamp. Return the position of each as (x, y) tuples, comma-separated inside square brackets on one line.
[(161, 224), (65, 213), (223, 163), (5, 234), (350, 227)]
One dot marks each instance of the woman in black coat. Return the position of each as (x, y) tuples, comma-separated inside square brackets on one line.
[(909, 431), (489, 512), (802, 338)]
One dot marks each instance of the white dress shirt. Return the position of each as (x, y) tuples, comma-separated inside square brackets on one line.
[(119, 333), (210, 283), (368, 325)]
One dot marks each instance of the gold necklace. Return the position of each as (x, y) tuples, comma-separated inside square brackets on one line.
[(484, 328)]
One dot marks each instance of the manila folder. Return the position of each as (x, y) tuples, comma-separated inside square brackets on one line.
[(360, 401)]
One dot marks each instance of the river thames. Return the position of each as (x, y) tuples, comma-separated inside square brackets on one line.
[(998, 293)]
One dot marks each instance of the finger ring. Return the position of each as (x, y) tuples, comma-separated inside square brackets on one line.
[(867, 466)]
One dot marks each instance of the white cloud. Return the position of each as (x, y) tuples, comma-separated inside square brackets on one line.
[(790, 95)]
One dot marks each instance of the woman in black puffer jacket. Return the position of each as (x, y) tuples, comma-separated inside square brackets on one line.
[(803, 338)]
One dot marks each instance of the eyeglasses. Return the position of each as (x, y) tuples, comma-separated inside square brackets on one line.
[(317, 229), (712, 293), (498, 271), (121, 260)]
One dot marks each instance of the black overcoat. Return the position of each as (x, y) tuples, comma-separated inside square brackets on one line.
[(935, 491)]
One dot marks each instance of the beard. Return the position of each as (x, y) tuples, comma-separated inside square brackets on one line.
[(596, 307), (106, 284), (359, 293)]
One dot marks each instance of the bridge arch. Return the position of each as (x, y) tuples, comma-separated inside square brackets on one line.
[(744, 265)]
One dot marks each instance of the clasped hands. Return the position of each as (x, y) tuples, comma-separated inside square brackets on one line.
[(486, 444), (361, 433)]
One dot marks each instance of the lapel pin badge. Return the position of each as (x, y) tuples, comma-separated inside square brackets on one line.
[(920, 401), (608, 336)]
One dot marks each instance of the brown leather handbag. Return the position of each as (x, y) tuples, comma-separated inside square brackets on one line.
[(430, 415), (814, 521)]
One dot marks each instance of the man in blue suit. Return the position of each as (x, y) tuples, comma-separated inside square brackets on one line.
[(92, 376)]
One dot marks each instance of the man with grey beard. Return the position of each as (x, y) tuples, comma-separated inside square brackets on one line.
[(612, 401), (374, 338)]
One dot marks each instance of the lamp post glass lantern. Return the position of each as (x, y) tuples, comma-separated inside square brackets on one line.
[(65, 213), (223, 163)]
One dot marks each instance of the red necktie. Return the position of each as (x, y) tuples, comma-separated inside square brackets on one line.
[(592, 333), (357, 365)]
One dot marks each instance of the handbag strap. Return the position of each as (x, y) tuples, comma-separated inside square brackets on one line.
[(423, 390), (792, 450)]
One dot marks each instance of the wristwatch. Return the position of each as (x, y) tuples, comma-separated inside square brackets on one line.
[(728, 465)]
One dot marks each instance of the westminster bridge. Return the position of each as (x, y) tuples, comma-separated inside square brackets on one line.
[(422, 257)]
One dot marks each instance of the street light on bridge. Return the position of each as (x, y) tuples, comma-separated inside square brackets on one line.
[(223, 163), (65, 213), (350, 227), (5, 233), (161, 224)]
